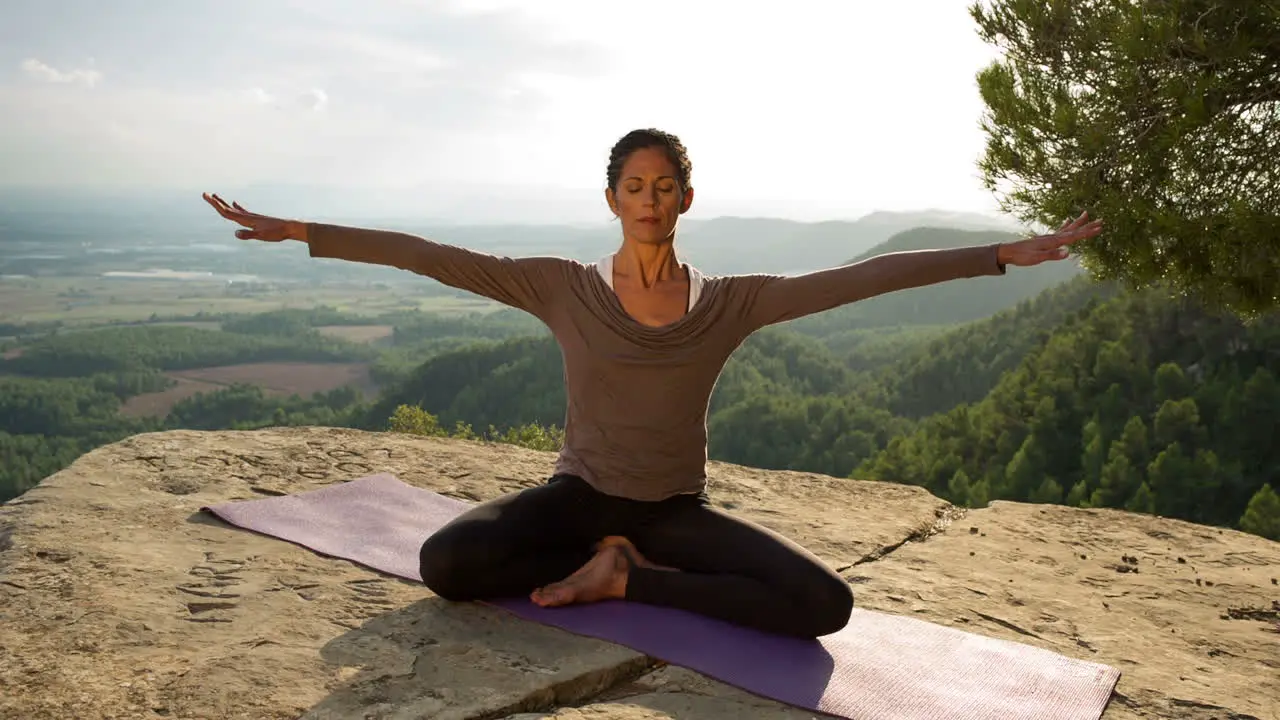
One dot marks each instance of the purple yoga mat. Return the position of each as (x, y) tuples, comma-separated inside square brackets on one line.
[(880, 666)]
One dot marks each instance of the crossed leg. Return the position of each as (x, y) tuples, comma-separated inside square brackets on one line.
[(508, 546), (689, 555), (547, 542)]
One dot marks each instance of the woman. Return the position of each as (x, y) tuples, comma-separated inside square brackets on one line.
[(644, 338)]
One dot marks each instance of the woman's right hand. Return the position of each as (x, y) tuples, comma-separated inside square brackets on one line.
[(259, 227)]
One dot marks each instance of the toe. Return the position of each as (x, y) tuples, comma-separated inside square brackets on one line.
[(553, 595)]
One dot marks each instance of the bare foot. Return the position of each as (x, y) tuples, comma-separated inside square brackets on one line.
[(604, 577)]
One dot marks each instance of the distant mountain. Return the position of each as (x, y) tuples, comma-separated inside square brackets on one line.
[(897, 221), (43, 219), (720, 246), (946, 303), (731, 245), (930, 237)]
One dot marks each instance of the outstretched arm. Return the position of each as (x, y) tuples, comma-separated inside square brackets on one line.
[(778, 298), (525, 283)]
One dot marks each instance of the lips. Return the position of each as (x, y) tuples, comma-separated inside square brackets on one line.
[(650, 220)]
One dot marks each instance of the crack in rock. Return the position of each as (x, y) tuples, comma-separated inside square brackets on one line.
[(1005, 624), (943, 518), (573, 692), (1194, 705), (1148, 701)]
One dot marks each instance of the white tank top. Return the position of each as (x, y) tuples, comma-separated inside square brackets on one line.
[(605, 267)]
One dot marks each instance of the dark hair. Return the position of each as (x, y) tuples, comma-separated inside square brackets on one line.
[(640, 139)]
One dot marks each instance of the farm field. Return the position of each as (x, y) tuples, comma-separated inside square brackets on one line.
[(102, 301), (279, 378), (158, 404), (199, 324), (358, 333)]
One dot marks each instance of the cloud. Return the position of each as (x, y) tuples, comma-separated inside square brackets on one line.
[(392, 95), (82, 76), (314, 99), (395, 92)]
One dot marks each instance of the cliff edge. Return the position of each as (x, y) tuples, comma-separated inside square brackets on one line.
[(119, 599)]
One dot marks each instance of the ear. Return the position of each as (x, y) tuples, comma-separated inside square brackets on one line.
[(611, 200), (687, 201)]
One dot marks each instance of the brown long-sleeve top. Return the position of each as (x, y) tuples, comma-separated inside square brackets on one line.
[(636, 421)]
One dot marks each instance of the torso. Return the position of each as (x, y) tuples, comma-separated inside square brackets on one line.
[(640, 367)]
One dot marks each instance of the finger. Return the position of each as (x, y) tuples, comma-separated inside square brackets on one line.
[(235, 212), (1073, 224), (1084, 231), (227, 211), (233, 208), (1046, 242), (1070, 223), (213, 201), (221, 207)]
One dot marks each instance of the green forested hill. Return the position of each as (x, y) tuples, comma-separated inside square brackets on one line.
[(1142, 402), (160, 347), (962, 365), (928, 238), (892, 379), (512, 382)]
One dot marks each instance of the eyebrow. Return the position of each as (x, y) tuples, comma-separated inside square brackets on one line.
[(661, 177)]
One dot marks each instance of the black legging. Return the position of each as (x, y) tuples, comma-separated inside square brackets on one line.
[(728, 568)]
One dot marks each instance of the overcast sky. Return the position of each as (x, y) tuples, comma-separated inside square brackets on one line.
[(804, 108)]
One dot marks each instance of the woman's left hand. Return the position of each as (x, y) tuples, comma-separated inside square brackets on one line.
[(1044, 248)]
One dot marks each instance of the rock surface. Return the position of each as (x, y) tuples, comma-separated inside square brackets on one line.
[(118, 599)]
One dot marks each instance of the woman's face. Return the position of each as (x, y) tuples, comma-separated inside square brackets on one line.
[(648, 198)]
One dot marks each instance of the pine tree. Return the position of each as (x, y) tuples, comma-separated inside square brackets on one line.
[(1171, 383), (1178, 421), (979, 494), (1143, 501), (1026, 471), (959, 487), (1262, 516), (1095, 457), (1152, 116), (1048, 492), (1079, 495)]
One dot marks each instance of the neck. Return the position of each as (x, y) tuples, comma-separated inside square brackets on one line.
[(650, 263)]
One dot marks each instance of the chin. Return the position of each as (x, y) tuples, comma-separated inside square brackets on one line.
[(649, 234)]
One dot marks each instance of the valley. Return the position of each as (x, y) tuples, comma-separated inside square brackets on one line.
[(1042, 385)]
